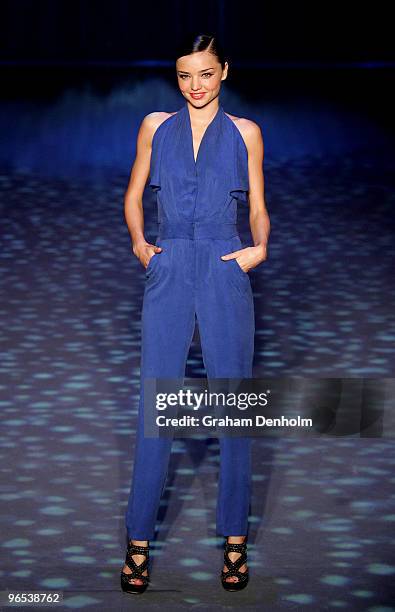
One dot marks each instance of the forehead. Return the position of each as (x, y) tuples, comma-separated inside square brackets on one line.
[(194, 62)]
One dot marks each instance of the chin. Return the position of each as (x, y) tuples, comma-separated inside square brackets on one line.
[(207, 98)]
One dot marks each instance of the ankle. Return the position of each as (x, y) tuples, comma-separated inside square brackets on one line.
[(139, 542), (236, 539)]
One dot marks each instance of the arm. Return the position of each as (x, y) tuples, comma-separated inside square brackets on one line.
[(133, 198), (259, 219)]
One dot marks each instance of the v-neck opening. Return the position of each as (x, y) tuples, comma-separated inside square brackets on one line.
[(195, 161)]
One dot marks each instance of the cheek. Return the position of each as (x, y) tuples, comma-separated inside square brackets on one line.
[(213, 84)]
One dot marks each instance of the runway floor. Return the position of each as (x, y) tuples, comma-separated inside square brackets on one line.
[(323, 510)]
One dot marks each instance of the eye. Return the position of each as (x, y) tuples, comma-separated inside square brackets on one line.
[(207, 74), (183, 76)]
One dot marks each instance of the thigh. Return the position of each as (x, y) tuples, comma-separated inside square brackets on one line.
[(168, 315), (225, 313)]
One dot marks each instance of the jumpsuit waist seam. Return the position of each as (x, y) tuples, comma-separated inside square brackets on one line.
[(196, 230)]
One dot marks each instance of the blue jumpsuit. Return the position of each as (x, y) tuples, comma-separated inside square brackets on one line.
[(188, 281)]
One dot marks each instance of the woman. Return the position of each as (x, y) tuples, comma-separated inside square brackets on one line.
[(201, 160)]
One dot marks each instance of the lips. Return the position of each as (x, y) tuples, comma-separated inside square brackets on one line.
[(197, 96)]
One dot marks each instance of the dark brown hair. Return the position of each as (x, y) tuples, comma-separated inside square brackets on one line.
[(201, 42)]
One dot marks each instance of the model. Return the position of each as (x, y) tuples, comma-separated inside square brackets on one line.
[(201, 161)]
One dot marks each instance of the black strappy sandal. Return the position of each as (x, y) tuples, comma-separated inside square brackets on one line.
[(233, 567), (136, 570)]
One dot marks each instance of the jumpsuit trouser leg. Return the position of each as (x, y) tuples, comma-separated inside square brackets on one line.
[(167, 324), (226, 319)]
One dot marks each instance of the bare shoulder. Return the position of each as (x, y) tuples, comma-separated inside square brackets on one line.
[(152, 121), (250, 130)]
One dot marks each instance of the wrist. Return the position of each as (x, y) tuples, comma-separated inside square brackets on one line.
[(262, 246), (137, 244)]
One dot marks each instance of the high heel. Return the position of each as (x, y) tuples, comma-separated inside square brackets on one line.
[(233, 567), (136, 570)]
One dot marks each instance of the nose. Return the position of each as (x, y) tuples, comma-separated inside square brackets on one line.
[(195, 84)]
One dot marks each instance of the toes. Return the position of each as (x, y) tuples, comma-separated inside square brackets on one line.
[(137, 581)]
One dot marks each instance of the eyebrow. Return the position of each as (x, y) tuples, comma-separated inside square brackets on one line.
[(184, 71)]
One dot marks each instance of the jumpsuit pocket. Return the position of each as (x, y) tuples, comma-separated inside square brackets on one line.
[(151, 265), (239, 278), (239, 267)]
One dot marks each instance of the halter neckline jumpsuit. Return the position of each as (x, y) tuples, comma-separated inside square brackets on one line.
[(188, 282)]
